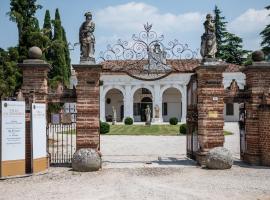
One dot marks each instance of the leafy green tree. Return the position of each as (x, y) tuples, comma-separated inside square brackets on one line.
[(23, 13), (10, 76), (229, 46), (266, 37), (233, 49)]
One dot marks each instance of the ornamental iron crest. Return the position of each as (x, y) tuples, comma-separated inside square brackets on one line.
[(146, 57)]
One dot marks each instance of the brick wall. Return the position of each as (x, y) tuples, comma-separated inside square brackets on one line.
[(87, 91)]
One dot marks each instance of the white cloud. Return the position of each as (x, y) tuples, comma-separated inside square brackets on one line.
[(129, 18), (250, 21), (249, 25)]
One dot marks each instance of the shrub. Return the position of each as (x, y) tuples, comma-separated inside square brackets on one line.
[(173, 121), (104, 127), (128, 121), (183, 129)]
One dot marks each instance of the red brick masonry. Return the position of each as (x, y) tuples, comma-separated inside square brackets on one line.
[(87, 92)]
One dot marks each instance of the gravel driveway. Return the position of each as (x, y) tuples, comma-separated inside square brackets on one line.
[(146, 167)]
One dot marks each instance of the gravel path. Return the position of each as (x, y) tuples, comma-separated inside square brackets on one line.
[(239, 183), (146, 167)]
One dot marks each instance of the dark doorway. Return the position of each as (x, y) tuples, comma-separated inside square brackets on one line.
[(144, 102), (122, 112)]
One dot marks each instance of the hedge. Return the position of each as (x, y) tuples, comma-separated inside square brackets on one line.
[(128, 121), (183, 129), (173, 121), (104, 127)]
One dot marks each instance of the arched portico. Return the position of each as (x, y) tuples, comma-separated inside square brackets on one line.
[(142, 98), (171, 104), (114, 99)]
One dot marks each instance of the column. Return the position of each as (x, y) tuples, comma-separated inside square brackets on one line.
[(184, 104), (210, 108), (102, 104), (128, 102), (257, 114), (34, 88), (157, 101), (88, 106)]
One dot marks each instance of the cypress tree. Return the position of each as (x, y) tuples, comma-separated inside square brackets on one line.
[(47, 26), (47, 31), (59, 71), (265, 34), (67, 54), (221, 32), (229, 46)]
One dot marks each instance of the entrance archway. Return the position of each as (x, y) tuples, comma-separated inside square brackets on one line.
[(171, 104), (114, 98), (142, 97)]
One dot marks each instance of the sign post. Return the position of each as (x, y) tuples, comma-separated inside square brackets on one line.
[(12, 135), (39, 139)]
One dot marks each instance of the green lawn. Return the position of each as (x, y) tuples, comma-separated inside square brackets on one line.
[(144, 130)]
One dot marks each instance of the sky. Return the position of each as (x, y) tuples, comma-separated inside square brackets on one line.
[(120, 19)]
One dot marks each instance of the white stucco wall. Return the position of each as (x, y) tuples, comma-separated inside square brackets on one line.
[(235, 116), (173, 99)]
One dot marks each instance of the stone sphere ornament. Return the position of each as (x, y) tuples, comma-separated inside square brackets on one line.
[(258, 56), (35, 53), (86, 160), (219, 158)]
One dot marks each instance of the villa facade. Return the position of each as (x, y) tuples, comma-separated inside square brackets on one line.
[(167, 97)]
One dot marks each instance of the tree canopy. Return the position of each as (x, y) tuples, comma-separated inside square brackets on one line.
[(265, 34), (229, 46)]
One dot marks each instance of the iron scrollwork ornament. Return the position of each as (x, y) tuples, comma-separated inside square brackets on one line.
[(146, 57)]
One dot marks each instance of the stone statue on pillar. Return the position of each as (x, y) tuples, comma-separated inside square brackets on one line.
[(87, 39), (209, 43), (148, 115)]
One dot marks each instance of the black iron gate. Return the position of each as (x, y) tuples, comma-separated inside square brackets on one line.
[(192, 118), (61, 135), (242, 125)]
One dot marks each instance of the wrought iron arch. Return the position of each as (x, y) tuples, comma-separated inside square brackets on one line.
[(146, 57)]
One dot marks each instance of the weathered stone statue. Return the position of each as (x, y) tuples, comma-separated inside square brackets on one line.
[(148, 115), (209, 43), (156, 111), (87, 39), (114, 116)]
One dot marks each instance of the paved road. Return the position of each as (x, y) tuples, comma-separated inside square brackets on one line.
[(137, 151)]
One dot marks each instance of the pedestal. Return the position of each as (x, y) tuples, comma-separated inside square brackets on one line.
[(34, 89), (88, 93), (210, 108), (257, 114)]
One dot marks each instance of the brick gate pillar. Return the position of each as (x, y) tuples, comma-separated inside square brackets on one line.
[(87, 91), (34, 89), (257, 120), (210, 108)]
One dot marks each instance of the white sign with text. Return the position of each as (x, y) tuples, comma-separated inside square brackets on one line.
[(39, 138), (13, 130)]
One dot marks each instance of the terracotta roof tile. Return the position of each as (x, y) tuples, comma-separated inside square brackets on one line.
[(183, 66)]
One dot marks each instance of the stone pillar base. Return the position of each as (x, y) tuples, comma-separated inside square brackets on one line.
[(251, 159)]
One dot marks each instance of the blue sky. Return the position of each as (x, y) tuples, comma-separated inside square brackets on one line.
[(176, 19)]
